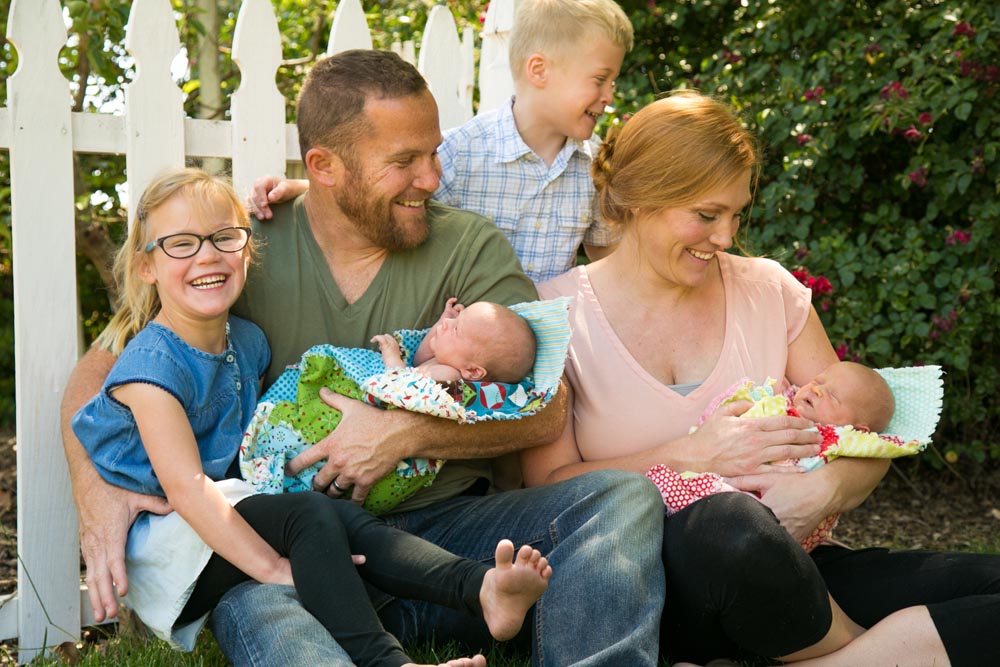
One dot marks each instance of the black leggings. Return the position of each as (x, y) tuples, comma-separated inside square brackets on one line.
[(318, 535), (738, 585)]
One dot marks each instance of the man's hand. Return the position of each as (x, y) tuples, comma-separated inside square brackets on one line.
[(105, 515), (364, 448)]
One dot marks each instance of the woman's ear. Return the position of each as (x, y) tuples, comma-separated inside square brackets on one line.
[(473, 373), (324, 166)]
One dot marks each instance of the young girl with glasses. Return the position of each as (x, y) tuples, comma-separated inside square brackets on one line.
[(169, 419)]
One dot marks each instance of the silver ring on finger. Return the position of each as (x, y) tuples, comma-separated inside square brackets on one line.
[(338, 486)]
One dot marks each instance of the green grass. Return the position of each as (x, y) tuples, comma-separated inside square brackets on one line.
[(109, 649)]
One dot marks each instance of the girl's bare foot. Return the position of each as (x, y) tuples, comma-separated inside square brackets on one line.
[(474, 661), (511, 588)]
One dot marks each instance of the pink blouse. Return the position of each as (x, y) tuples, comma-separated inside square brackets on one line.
[(621, 409)]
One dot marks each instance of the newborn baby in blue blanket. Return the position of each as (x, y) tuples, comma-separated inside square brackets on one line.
[(456, 369)]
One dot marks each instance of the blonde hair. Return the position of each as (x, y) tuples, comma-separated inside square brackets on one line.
[(669, 154), (138, 302), (554, 27)]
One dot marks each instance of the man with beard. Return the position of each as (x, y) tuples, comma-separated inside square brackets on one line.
[(363, 252)]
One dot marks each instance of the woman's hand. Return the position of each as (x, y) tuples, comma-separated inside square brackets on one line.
[(732, 446), (800, 502)]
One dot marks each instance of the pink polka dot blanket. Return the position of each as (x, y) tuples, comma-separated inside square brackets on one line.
[(918, 392), (291, 416)]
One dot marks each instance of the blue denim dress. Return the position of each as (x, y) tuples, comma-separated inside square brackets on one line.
[(164, 556)]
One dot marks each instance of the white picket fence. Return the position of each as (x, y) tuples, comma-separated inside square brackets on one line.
[(41, 132)]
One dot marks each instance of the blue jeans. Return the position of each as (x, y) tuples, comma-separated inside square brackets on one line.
[(602, 532)]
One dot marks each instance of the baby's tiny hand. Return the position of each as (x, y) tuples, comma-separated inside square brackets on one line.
[(452, 308), (386, 342)]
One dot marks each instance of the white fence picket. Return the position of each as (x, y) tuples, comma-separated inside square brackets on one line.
[(41, 133), (496, 84), (154, 105), (350, 28), (442, 69), (45, 341), (258, 107)]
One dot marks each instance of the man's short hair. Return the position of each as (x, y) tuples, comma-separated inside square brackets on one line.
[(556, 27), (332, 100)]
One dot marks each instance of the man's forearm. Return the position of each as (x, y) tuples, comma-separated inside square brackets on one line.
[(434, 437), (84, 383)]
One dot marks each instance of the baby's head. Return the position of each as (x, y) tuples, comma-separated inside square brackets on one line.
[(486, 342), (847, 393)]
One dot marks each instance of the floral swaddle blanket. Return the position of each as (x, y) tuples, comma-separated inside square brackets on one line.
[(291, 416)]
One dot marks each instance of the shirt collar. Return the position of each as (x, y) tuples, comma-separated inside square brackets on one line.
[(511, 147)]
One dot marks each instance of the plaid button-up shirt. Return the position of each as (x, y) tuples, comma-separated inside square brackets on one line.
[(546, 212)]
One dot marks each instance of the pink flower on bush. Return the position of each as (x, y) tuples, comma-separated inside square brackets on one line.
[(894, 89), (813, 93), (801, 253), (803, 139), (958, 237), (843, 351), (964, 28), (872, 49), (912, 134), (926, 118), (819, 285), (944, 324), (919, 177)]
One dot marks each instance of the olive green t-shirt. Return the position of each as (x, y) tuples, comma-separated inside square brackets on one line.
[(291, 295)]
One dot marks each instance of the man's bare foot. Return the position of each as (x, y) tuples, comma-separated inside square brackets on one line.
[(510, 588), (474, 661)]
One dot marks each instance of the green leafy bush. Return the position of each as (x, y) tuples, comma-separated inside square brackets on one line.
[(881, 124)]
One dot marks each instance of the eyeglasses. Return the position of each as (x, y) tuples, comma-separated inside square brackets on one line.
[(182, 246)]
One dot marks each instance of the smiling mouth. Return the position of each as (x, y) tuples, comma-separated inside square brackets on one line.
[(412, 203), (703, 256), (209, 282), (593, 115)]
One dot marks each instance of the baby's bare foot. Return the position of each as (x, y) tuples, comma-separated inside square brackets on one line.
[(511, 588), (474, 661)]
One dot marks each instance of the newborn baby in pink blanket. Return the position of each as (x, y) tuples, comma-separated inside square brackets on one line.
[(850, 404)]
